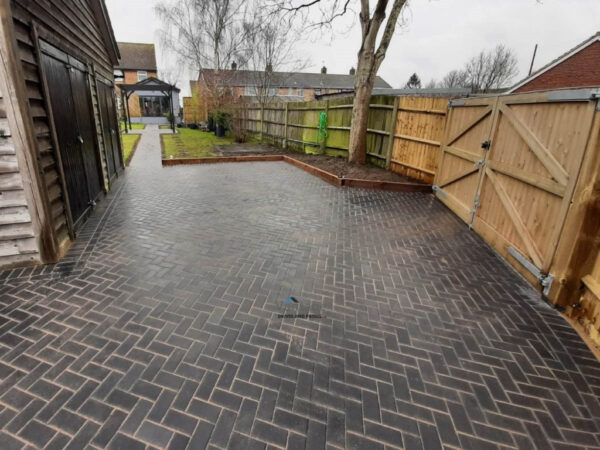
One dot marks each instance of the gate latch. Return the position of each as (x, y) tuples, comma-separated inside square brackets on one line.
[(480, 163), (486, 145), (80, 139)]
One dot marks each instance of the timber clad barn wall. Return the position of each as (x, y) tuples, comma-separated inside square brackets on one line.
[(51, 43)]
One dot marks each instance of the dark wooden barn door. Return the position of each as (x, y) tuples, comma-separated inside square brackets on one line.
[(65, 123), (107, 130), (70, 100), (87, 131), (110, 128), (114, 125)]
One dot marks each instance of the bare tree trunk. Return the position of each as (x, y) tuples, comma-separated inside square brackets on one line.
[(357, 149)]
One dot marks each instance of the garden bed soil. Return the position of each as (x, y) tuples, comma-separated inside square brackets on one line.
[(334, 165)]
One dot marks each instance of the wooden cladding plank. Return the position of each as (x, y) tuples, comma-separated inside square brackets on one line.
[(10, 181), (16, 231), (513, 214), (18, 247), (544, 155), (60, 23)]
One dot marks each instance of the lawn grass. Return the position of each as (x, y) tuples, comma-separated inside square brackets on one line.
[(130, 142), (190, 143), (134, 126), (164, 127)]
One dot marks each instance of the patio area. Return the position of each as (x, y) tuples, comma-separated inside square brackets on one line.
[(163, 325)]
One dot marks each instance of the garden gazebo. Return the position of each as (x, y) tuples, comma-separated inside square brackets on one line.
[(152, 87)]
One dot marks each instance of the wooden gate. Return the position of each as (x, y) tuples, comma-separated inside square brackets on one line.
[(73, 120), (517, 174), (109, 129), (467, 133)]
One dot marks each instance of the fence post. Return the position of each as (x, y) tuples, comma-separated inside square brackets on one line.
[(285, 127), (262, 122), (392, 131), (324, 142)]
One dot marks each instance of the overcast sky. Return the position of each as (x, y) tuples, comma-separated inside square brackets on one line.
[(437, 35)]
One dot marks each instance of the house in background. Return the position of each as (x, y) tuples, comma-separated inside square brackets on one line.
[(577, 68), (138, 65), (282, 87), (59, 136)]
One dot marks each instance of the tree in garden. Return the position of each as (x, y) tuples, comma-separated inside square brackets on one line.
[(377, 23), (491, 69), (414, 82), (487, 70), (204, 33), (270, 55), (455, 79)]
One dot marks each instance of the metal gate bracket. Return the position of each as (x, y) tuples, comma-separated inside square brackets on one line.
[(545, 279), (438, 190)]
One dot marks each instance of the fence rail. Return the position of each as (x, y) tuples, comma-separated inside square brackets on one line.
[(403, 134)]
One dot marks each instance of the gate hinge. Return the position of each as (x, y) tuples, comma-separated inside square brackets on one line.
[(473, 212), (545, 279), (438, 190), (486, 145), (546, 282), (480, 163)]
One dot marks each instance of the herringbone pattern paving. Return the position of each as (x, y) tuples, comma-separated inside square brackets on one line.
[(161, 328)]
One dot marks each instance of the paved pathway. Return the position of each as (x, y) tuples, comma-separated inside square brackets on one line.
[(162, 325)]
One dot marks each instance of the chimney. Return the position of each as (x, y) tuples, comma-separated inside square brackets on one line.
[(323, 69), (352, 70), (234, 66)]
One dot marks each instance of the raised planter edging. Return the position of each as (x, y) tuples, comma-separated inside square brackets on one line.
[(323, 174)]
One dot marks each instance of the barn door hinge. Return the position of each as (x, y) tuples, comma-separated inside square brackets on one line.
[(438, 190), (486, 145), (545, 279)]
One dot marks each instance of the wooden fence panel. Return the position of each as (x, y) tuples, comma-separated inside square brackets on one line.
[(418, 132), (378, 125), (416, 126)]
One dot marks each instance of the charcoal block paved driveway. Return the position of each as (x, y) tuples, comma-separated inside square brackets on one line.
[(161, 327)]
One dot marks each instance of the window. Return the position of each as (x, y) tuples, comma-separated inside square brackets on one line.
[(142, 75), (119, 76), (154, 106), (250, 90), (300, 92)]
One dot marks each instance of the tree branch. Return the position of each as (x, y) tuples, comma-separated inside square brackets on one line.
[(389, 31)]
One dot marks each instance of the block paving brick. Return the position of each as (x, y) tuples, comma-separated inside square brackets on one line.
[(161, 327)]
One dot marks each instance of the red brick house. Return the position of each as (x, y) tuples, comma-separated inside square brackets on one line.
[(577, 68)]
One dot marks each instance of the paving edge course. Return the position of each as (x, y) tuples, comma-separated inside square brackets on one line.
[(324, 175)]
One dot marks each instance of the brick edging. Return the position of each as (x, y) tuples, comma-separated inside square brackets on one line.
[(323, 174)]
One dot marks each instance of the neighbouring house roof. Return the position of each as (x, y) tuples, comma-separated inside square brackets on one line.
[(557, 61), (136, 56), (285, 79), (426, 92)]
